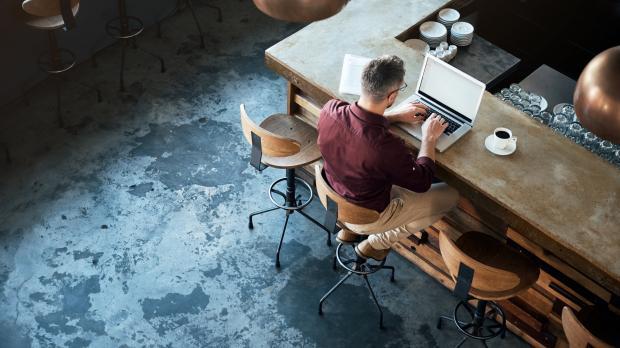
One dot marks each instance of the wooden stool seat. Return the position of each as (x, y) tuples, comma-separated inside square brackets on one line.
[(591, 327), (47, 22), (291, 127), (495, 254)]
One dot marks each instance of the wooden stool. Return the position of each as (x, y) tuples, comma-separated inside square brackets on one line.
[(338, 212), (488, 270), (126, 28), (592, 327), (49, 15), (285, 142), (189, 4)]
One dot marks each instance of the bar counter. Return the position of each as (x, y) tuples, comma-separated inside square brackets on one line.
[(551, 194)]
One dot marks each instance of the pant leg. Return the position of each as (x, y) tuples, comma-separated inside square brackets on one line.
[(408, 213)]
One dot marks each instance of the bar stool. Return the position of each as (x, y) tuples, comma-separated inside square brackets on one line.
[(49, 15), (487, 270), (189, 4), (283, 141), (125, 28), (338, 212), (592, 327)]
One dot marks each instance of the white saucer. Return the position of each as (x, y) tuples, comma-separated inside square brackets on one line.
[(509, 150)]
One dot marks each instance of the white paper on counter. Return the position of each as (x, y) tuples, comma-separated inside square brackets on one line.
[(351, 77)]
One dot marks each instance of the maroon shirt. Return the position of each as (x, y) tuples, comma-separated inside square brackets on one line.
[(363, 159)]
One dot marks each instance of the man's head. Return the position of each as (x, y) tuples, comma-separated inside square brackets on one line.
[(382, 78)]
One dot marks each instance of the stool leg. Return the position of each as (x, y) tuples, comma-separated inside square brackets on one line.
[(123, 52), (390, 268), (439, 321), (376, 302), (342, 280), (161, 60), (461, 343), (250, 224), (219, 11), (191, 9), (61, 124), (94, 89), (334, 264), (281, 239), (329, 240), (7, 153)]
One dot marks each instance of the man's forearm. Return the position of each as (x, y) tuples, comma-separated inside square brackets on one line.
[(427, 149)]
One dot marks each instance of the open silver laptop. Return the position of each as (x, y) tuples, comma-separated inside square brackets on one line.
[(450, 93)]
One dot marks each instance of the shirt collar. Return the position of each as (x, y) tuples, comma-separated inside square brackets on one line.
[(369, 117)]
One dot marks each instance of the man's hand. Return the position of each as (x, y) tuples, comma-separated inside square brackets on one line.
[(432, 128), (413, 113)]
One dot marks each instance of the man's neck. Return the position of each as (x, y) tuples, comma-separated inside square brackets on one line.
[(368, 105)]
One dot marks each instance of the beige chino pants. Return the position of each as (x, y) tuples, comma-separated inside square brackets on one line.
[(407, 213)]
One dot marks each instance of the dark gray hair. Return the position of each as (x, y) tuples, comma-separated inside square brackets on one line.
[(382, 76)]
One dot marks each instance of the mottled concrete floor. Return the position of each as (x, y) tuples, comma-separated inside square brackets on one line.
[(128, 227)]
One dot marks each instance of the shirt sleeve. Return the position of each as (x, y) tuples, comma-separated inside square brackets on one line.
[(407, 171)]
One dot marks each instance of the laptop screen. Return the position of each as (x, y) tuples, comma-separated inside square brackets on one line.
[(450, 88)]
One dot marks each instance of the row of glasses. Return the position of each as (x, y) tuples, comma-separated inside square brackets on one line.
[(563, 122)]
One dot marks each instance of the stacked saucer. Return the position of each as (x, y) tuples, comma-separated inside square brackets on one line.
[(448, 16), (433, 33), (461, 34)]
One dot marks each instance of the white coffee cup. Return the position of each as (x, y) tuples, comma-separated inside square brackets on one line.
[(502, 137)]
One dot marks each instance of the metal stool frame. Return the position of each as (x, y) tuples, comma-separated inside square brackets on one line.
[(361, 268), (55, 62), (127, 28), (292, 204), (189, 4)]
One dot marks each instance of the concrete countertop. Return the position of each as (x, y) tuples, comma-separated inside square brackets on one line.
[(559, 188)]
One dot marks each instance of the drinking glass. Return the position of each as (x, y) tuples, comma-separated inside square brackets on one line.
[(569, 111), (560, 121), (528, 111), (574, 132), (615, 158), (516, 99), (605, 149), (547, 117), (506, 92), (525, 103), (535, 99), (524, 95), (590, 141), (535, 109), (515, 88), (539, 119)]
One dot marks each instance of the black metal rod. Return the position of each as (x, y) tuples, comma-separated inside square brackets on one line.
[(290, 188), (375, 299), (202, 37), (262, 212), (461, 343), (281, 239), (390, 268), (342, 280)]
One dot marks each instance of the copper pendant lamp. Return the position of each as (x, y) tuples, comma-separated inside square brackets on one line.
[(597, 95), (300, 10)]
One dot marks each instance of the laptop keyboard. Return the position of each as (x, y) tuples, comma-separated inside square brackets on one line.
[(452, 126)]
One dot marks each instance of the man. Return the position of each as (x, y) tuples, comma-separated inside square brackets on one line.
[(371, 167)]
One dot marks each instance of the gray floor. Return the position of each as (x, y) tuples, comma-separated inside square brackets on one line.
[(128, 227)]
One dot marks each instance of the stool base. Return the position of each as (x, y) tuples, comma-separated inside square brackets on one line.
[(292, 204), (190, 5), (478, 321), (358, 266)]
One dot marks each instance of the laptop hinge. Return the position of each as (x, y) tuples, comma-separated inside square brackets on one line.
[(445, 112)]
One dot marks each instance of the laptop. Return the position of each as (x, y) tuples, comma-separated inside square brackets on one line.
[(450, 93)]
